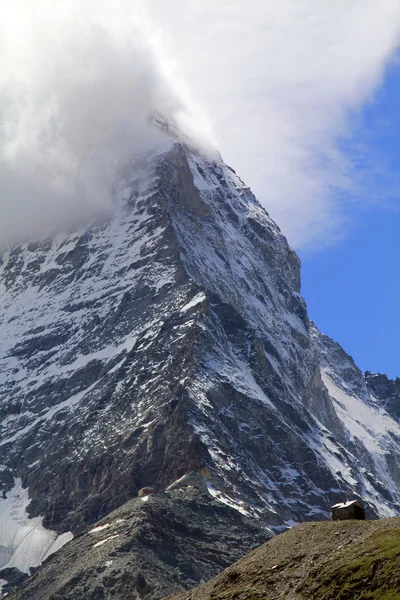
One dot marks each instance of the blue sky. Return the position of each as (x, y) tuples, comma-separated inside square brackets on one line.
[(281, 83), (353, 288)]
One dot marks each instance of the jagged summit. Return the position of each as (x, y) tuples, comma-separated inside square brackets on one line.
[(172, 339)]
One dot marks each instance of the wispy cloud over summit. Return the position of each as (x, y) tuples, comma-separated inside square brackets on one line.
[(280, 81), (283, 82), (78, 81)]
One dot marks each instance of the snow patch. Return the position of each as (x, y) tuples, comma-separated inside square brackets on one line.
[(375, 429), (24, 542), (290, 523), (176, 481), (232, 503), (99, 528), (367, 423), (112, 537), (70, 403), (194, 302)]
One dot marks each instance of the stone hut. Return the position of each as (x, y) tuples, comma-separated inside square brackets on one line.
[(146, 491), (348, 510)]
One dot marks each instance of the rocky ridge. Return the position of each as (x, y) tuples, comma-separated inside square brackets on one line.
[(148, 547)]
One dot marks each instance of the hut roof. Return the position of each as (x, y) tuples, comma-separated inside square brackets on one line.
[(347, 504)]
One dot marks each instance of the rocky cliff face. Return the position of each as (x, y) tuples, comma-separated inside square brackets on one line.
[(172, 338), (386, 391)]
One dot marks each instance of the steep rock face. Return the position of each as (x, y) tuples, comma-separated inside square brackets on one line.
[(171, 339), (114, 337), (95, 343), (367, 432), (387, 391)]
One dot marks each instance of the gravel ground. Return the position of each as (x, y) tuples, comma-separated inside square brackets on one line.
[(315, 561)]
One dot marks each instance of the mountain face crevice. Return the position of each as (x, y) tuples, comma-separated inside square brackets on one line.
[(171, 338)]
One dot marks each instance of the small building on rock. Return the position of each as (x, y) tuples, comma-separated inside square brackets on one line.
[(348, 510), (146, 491)]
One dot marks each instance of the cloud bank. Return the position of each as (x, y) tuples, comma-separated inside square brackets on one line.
[(78, 81), (283, 82)]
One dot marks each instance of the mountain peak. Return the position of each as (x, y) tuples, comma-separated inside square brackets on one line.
[(171, 339)]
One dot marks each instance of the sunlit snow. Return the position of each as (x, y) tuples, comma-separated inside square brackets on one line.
[(24, 542)]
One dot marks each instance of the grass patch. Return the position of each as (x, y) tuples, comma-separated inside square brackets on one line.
[(369, 572)]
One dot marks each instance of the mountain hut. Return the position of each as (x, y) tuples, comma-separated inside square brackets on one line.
[(348, 510)]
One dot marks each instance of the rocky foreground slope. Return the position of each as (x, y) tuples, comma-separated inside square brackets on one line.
[(148, 547), (170, 339), (344, 560)]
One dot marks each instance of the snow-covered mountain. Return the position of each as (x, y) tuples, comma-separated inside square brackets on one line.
[(172, 338)]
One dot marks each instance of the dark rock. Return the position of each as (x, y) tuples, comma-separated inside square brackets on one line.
[(146, 549), (13, 577)]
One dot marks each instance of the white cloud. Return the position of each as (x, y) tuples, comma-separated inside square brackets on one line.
[(279, 80), (282, 82), (78, 81)]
